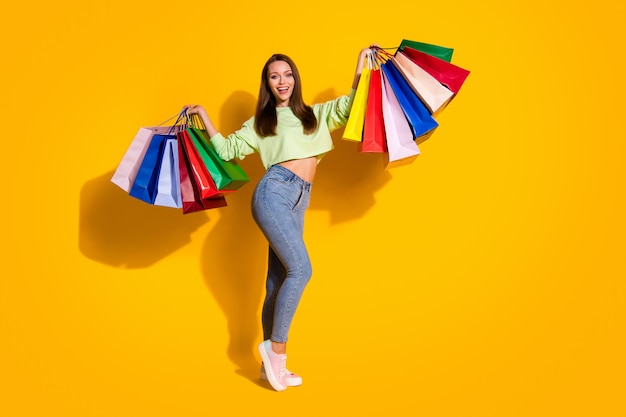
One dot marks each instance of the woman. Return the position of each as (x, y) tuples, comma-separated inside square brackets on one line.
[(291, 138)]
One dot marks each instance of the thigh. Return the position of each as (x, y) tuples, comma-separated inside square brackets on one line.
[(278, 207)]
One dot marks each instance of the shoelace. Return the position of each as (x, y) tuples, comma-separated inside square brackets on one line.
[(282, 366), (287, 371)]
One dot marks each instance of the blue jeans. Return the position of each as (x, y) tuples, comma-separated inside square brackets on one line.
[(279, 203)]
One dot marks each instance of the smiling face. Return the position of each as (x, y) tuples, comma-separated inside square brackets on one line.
[(280, 81)]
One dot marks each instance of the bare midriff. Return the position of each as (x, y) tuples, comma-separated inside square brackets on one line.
[(304, 168)]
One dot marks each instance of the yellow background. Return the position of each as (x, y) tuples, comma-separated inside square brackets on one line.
[(484, 279)]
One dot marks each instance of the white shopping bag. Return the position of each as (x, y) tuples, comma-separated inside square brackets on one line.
[(432, 93), (168, 188), (398, 133)]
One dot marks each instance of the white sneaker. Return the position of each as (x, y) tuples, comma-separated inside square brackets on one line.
[(274, 365)]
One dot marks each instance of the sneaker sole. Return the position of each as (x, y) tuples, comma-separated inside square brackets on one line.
[(291, 382)]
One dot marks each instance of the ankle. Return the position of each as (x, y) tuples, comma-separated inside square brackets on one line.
[(279, 348)]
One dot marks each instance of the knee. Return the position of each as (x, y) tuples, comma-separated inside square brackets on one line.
[(304, 273), (307, 272)]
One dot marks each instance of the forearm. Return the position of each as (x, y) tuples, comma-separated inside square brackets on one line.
[(208, 123), (198, 110), (359, 67)]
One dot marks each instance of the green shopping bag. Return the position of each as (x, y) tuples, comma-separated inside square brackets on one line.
[(440, 52), (228, 175)]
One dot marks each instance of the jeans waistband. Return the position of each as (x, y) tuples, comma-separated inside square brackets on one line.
[(289, 176)]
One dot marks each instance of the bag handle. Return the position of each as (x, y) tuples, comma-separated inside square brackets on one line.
[(180, 123), (382, 53), (377, 56), (184, 120), (195, 121)]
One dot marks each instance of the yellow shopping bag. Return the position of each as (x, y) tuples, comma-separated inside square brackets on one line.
[(354, 128)]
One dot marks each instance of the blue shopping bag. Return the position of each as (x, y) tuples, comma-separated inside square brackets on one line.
[(421, 121), (145, 185)]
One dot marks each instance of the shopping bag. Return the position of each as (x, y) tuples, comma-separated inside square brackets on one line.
[(354, 127), (127, 169), (420, 120), (441, 52), (448, 74), (198, 171), (145, 185), (432, 93), (374, 125), (398, 134), (227, 175), (168, 186), (190, 194)]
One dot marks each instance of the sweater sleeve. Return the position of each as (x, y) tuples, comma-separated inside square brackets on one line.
[(238, 144), (336, 112)]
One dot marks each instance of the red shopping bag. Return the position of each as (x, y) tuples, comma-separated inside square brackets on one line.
[(374, 124), (450, 75), (191, 194), (198, 171)]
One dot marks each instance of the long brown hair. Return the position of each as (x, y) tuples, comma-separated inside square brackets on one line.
[(265, 120)]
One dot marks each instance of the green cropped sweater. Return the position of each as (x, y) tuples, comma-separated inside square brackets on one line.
[(290, 142)]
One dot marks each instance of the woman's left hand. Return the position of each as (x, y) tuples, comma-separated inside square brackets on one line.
[(193, 109)]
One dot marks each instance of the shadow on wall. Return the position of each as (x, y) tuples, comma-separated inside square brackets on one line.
[(234, 253), (233, 264), (121, 231), (347, 175)]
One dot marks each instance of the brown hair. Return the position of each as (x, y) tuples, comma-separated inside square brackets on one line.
[(265, 120)]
